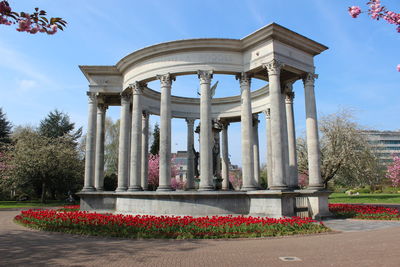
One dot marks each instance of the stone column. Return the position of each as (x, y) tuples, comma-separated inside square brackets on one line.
[(313, 150), (293, 172), (256, 150), (165, 133), (145, 150), (206, 138), (249, 182), (277, 130), (225, 157), (90, 144), (190, 154), (123, 147), (269, 146), (136, 138), (100, 136)]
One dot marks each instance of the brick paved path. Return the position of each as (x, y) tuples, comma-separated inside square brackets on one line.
[(20, 246)]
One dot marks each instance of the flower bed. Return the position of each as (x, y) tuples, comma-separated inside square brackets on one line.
[(129, 226), (368, 212)]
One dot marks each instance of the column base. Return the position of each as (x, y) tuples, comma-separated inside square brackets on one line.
[(294, 187), (249, 188), (135, 188), (206, 188), (88, 189), (121, 189), (315, 187), (278, 187), (164, 188)]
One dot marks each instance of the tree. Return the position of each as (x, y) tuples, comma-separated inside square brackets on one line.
[(44, 165), (393, 171), (33, 23), (153, 171), (378, 12), (58, 124), (5, 128), (345, 152), (155, 146)]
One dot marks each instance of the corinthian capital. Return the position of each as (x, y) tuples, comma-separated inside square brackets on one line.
[(190, 121), (289, 97), (166, 79), (205, 76), (92, 97), (126, 97), (244, 80), (102, 108), (267, 113), (137, 88), (274, 67), (309, 78)]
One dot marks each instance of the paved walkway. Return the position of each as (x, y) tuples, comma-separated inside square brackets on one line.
[(363, 243)]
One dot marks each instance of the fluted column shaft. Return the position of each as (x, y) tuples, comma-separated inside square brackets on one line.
[(225, 157), (249, 182), (123, 146), (145, 150), (90, 144), (277, 130), (165, 133), (206, 140), (313, 149), (267, 113), (256, 150), (136, 138), (100, 136), (293, 172), (190, 154)]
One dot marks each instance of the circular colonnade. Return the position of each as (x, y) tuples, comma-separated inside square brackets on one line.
[(274, 54)]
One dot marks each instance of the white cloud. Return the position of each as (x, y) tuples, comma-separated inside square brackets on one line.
[(15, 60), (26, 85)]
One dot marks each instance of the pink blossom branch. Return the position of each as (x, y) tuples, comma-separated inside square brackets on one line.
[(31, 23)]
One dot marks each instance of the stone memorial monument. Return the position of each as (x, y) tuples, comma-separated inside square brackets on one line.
[(273, 54)]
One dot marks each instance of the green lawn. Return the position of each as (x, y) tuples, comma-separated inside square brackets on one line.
[(364, 198), (27, 204)]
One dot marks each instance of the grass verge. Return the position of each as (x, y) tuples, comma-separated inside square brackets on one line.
[(365, 198), (30, 204)]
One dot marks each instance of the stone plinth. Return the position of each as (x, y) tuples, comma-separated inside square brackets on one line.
[(268, 203)]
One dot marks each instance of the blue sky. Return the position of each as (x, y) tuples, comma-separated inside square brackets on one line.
[(39, 73)]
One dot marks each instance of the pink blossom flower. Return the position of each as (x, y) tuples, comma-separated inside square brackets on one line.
[(4, 7), (354, 11), (398, 66), (24, 25), (53, 29)]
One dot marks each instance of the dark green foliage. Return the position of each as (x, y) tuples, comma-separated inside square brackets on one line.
[(57, 124), (110, 182), (155, 147), (5, 128)]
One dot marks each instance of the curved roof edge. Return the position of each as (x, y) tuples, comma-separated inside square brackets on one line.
[(271, 31)]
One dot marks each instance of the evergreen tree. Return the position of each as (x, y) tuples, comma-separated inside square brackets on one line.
[(5, 128), (155, 147), (57, 124)]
